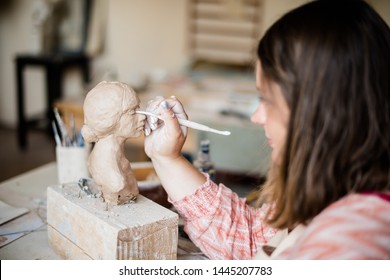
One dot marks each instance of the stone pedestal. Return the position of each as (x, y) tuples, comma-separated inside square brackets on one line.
[(84, 227)]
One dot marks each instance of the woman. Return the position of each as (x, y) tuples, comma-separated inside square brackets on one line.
[(323, 78), (110, 119)]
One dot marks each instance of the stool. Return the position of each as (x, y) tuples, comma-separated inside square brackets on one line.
[(55, 65)]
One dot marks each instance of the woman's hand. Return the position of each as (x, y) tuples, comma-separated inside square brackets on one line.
[(163, 143), (165, 139)]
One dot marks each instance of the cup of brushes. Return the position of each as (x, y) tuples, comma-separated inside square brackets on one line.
[(71, 152)]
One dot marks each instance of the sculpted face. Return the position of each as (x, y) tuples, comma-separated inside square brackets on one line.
[(110, 107), (131, 124), (110, 118)]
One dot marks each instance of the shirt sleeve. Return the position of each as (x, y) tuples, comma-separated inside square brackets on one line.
[(221, 224), (356, 227)]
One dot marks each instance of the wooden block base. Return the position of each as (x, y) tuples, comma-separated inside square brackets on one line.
[(83, 227)]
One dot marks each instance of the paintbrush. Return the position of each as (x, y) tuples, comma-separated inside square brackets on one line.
[(188, 123)]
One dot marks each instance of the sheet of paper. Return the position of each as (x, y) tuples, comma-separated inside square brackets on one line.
[(21, 226), (8, 212)]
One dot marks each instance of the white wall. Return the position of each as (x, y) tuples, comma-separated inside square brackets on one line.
[(142, 35), (16, 36), (382, 7), (147, 34), (276, 8)]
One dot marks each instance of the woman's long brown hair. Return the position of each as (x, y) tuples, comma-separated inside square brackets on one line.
[(332, 61)]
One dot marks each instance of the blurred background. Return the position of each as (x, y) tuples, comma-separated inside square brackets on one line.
[(202, 51)]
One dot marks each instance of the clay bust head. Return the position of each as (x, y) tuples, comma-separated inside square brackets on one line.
[(110, 119), (109, 108)]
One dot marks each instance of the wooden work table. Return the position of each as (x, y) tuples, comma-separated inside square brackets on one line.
[(25, 237)]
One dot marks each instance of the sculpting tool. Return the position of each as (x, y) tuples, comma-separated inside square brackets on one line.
[(73, 137), (188, 123), (62, 128), (56, 136)]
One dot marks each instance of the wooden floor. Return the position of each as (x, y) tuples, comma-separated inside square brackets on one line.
[(14, 161), (40, 150)]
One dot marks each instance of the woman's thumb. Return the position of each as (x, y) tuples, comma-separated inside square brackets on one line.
[(169, 117)]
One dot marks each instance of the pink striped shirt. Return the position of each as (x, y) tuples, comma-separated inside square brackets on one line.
[(223, 226)]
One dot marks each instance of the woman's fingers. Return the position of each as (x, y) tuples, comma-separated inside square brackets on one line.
[(157, 106)]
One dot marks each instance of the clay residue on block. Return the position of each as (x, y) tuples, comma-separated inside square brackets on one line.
[(83, 226), (110, 119)]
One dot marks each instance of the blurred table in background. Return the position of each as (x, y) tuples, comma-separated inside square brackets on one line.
[(26, 236), (224, 102), (55, 66)]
